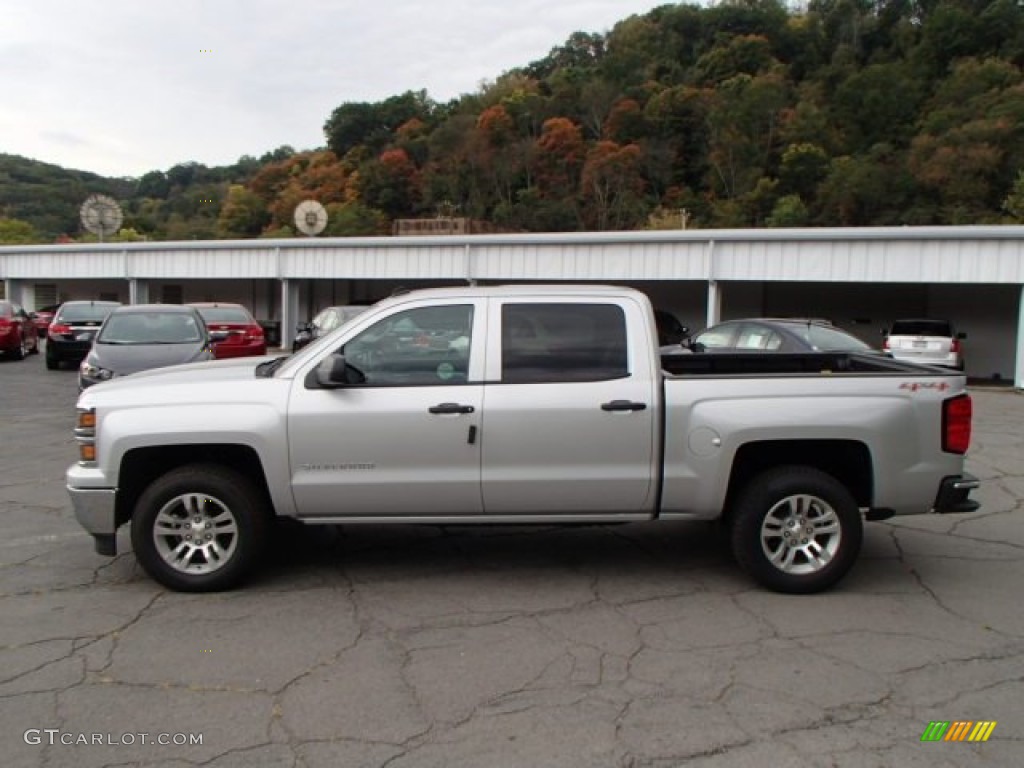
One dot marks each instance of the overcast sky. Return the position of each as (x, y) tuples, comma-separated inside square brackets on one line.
[(122, 87)]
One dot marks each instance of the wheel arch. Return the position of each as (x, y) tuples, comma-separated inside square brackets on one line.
[(848, 461), (141, 466)]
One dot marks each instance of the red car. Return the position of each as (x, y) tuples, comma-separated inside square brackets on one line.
[(245, 336), (18, 334), (42, 317)]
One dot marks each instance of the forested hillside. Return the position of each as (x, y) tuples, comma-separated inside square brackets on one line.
[(744, 114)]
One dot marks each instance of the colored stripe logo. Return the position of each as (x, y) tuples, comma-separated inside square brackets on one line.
[(958, 730)]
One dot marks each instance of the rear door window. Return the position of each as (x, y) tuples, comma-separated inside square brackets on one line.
[(563, 342)]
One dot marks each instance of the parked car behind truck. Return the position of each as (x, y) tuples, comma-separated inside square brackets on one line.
[(926, 341), (574, 422), (72, 330), (243, 336), (141, 337), (18, 335)]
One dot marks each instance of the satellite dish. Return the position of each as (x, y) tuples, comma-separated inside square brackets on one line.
[(101, 215), (310, 217)]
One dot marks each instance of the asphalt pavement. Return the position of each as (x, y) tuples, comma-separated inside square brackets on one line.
[(628, 646)]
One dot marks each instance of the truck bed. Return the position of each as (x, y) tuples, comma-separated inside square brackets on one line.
[(761, 363)]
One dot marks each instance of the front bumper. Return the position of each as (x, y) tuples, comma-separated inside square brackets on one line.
[(953, 494), (94, 510)]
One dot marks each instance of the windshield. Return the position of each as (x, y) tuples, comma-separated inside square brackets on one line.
[(151, 328)]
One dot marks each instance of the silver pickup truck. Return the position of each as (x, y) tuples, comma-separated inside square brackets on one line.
[(517, 404)]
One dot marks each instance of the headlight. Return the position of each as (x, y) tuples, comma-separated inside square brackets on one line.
[(95, 372), (85, 436)]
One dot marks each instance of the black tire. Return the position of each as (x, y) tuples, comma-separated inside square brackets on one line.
[(796, 529), (35, 347), (21, 350), (220, 508), (52, 363)]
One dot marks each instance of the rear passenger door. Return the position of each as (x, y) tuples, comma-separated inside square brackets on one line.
[(570, 410)]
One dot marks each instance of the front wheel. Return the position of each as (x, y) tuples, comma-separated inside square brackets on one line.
[(796, 530), (199, 528)]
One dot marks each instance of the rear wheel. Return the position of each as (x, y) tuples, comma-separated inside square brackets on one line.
[(796, 529), (200, 528), (21, 350)]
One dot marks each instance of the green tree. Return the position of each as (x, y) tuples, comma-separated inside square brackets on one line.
[(743, 122), (16, 232), (1014, 202), (373, 124), (355, 220), (789, 211), (244, 214), (802, 168)]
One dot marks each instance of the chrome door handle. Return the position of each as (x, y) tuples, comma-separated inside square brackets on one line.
[(623, 405), (451, 408)]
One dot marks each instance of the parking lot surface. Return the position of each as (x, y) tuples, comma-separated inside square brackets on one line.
[(414, 647)]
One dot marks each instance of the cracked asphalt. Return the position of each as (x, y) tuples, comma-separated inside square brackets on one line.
[(412, 647)]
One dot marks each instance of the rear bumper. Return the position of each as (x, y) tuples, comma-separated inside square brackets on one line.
[(67, 350), (953, 494), (226, 351)]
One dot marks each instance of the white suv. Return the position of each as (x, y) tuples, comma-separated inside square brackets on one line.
[(931, 342)]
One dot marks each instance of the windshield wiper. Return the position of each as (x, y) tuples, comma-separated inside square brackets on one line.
[(266, 369)]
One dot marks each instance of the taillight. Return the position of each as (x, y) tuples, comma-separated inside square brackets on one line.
[(253, 333), (954, 345), (956, 424), (59, 328), (885, 344)]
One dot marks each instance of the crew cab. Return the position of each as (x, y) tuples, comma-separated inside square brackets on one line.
[(517, 404)]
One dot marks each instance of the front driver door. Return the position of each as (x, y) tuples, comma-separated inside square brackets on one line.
[(402, 444)]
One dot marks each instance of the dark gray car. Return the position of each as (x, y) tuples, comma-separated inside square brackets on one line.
[(143, 336), (777, 335)]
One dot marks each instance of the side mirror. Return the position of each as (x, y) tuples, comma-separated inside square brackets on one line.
[(303, 327), (698, 347), (333, 372), (884, 332)]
